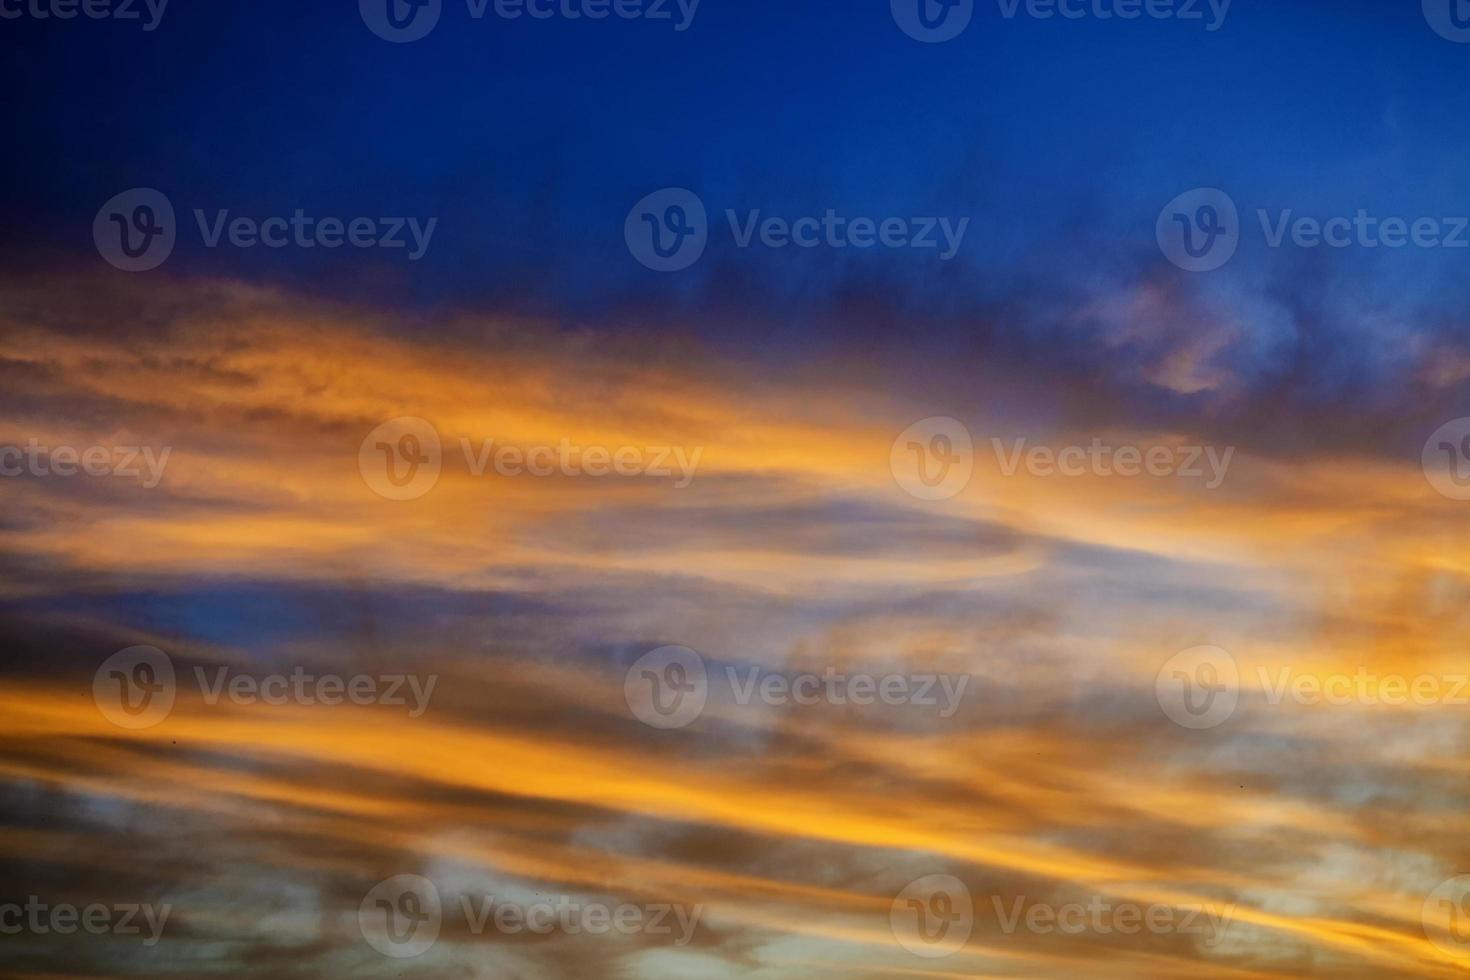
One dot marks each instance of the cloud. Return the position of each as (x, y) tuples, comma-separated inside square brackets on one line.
[(793, 550)]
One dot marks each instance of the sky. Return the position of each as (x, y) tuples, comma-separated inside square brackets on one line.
[(743, 490)]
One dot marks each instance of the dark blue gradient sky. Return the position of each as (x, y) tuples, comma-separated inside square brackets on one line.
[(1059, 140)]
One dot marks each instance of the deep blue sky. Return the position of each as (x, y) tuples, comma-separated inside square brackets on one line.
[(530, 140)]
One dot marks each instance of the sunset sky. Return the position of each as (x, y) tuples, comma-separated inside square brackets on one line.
[(529, 490)]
